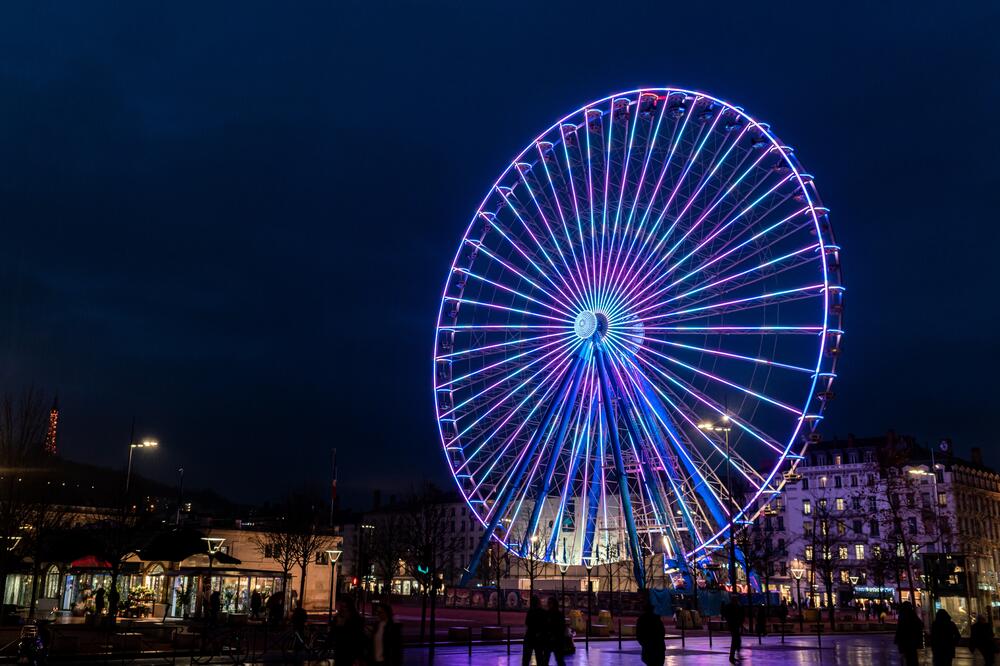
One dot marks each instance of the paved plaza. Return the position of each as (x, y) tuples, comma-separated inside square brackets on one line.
[(853, 650)]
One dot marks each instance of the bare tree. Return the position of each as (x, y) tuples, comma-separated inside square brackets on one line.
[(277, 544), (45, 519), (388, 546), (23, 424)]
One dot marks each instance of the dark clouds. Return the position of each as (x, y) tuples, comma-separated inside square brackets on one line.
[(233, 220)]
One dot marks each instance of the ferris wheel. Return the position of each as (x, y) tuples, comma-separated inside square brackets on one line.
[(638, 333)]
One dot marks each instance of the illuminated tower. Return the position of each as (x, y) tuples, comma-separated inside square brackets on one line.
[(52, 435)]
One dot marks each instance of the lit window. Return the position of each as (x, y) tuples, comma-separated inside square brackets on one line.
[(807, 508), (809, 553), (841, 505), (842, 552), (859, 551)]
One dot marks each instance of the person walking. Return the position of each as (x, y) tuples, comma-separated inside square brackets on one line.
[(734, 615), (255, 604), (348, 634), (555, 639), (944, 638), (215, 606), (99, 602), (535, 634), (650, 633), (909, 634), (981, 638), (387, 641)]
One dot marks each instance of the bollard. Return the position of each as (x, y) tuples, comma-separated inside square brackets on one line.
[(619, 634), (508, 640), (682, 636), (782, 632), (710, 634), (819, 635), (470, 643)]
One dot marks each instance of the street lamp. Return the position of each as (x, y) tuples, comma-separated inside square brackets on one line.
[(725, 428), (212, 546), (333, 556), (563, 568), (145, 444), (798, 570), (588, 565)]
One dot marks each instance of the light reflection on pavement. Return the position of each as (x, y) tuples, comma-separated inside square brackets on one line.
[(851, 650)]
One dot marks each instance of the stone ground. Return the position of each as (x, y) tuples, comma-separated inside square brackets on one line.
[(851, 650)]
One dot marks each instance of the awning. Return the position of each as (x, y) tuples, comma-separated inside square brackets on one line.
[(89, 562)]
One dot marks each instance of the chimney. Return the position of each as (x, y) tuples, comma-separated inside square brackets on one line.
[(977, 456)]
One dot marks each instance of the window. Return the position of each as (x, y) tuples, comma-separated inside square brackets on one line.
[(854, 480), (781, 523), (809, 553), (942, 499), (872, 505), (52, 582), (837, 483), (911, 524), (856, 503), (845, 576), (824, 527), (837, 459), (807, 508), (807, 528), (805, 483), (859, 551), (822, 482), (781, 548), (842, 553), (911, 500), (822, 504), (841, 504), (869, 456), (841, 528), (852, 457), (857, 527)]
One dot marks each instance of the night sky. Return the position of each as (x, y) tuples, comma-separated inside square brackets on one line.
[(233, 221)]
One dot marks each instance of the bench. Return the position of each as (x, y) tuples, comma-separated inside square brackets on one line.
[(463, 634), (494, 633), (601, 630)]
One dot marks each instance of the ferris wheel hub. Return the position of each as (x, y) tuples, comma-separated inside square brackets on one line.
[(588, 323)]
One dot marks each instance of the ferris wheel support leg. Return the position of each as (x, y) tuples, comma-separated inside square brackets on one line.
[(651, 489), (638, 566), (593, 497), (502, 504), (557, 447)]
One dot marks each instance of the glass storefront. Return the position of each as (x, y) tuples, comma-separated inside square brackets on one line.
[(235, 589)]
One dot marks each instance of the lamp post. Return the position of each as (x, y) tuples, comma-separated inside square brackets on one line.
[(563, 568), (333, 556), (145, 444), (588, 565), (212, 546), (725, 428), (797, 572)]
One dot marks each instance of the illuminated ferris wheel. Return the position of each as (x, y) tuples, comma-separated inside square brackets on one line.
[(654, 260)]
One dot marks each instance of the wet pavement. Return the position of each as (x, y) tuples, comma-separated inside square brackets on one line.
[(854, 650)]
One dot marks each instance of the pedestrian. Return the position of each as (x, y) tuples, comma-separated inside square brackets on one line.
[(387, 641), (762, 621), (99, 602), (348, 634), (255, 603), (783, 611), (113, 597), (734, 615), (215, 606), (981, 639), (556, 637), (649, 632), (535, 634), (909, 634), (944, 638)]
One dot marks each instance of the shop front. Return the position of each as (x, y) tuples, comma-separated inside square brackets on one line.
[(235, 588)]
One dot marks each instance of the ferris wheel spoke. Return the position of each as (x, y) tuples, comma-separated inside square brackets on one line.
[(561, 346), (758, 249), (725, 382), (650, 279), (749, 302), (557, 204), (738, 330), (571, 177), (571, 285), (560, 363), (494, 306), (718, 410), (549, 306), (731, 355), (562, 299), (480, 248), (590, 122), (475, 351)]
